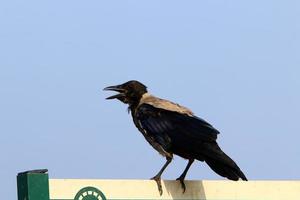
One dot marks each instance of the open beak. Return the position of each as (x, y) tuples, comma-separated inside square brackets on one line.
[(116, 88)]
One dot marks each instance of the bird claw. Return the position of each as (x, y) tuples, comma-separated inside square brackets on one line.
[(182, 184), (158, 182)]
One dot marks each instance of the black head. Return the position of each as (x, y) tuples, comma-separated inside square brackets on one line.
[(130, 92)]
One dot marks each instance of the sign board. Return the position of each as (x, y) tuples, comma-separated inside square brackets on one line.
[(37, 186)]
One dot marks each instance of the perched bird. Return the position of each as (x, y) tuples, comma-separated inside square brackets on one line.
[(173, 129)]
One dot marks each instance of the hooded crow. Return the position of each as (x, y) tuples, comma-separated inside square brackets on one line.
[(173, 129)]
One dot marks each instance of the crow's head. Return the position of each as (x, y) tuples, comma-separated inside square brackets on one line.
[(129, 92)]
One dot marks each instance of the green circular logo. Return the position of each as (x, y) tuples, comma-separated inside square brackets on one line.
[(89, 193)]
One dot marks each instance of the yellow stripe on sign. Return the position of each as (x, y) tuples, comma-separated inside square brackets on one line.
[(147, 189)]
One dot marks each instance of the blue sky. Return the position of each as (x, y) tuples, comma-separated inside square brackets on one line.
[(234, 63)]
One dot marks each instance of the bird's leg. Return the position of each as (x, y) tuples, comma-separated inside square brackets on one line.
[(158, 175), (182, 176)]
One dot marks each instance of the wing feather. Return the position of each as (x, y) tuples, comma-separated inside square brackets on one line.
[(162, 124)]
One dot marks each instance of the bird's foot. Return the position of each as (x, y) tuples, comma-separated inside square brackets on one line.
[(158, 182), (181, 183)]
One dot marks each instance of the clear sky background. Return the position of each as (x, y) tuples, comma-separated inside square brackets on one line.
[(234, 63)]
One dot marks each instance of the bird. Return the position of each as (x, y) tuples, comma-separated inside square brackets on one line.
[(172, 129)]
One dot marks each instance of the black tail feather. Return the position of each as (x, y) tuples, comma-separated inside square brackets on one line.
[(222, 164), (230, 172)]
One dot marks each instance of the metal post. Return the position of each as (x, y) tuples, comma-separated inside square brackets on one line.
[(33, 185)]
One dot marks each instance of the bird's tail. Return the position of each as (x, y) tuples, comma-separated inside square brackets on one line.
[(223, 165)]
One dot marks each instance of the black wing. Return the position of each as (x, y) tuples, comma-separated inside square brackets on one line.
[(169, 127)]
